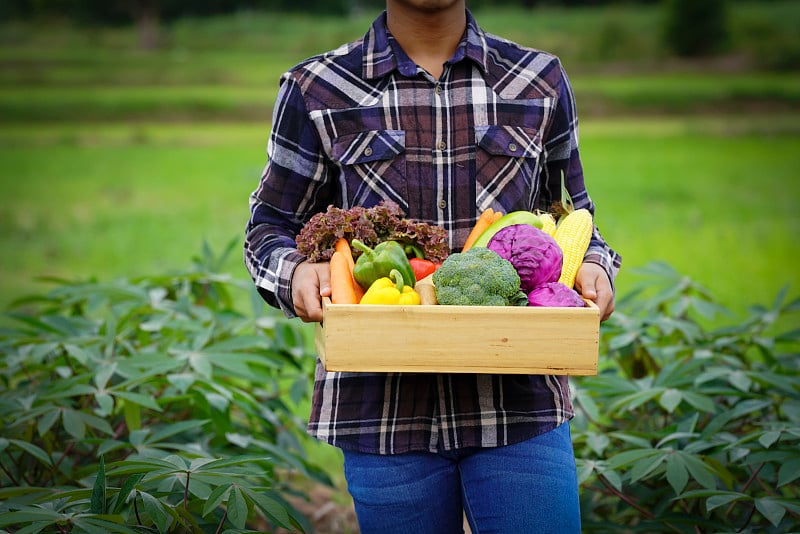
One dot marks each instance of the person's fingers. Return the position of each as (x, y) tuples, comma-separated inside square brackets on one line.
[(307, 290), (593, 284), (324, 275), (605, 301), (587, 289)]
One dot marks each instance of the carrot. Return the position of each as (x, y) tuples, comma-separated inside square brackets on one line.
[(483, 222), (342, 290), (343, 247), (497, 216)]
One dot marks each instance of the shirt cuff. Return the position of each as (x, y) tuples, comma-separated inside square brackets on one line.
[(601, 258), (288, 261)]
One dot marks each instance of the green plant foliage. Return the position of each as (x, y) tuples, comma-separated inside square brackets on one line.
[(151, 405), (690, 429)]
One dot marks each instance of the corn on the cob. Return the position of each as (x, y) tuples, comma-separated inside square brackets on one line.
[(548, 223), (573, 234)]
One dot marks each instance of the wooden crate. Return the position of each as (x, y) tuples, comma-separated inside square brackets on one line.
[(459, 339)]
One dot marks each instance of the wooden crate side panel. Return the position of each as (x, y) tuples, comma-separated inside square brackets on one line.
[(459, 339)]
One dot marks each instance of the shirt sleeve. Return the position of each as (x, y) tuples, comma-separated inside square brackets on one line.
[(293, 186), (563, 160)]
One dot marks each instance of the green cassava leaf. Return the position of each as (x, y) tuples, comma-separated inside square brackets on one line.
[(29, 514), (767, 439), (216, 498), (702, 402), (237, 507), (627, 458), (597, 442), (98, 423), (128, 488), (789, 471), (73, 423), (33, 450), (133, 416), (723, 499), (699, 470), (772, 509), (98, 499), (144, 401), (156, 511), (643, 468), (47, 420), (677, 474), (273, 509), (105, 403), (670, 399), (740, 380)]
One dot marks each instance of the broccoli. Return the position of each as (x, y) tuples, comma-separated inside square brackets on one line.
[(478, 277)]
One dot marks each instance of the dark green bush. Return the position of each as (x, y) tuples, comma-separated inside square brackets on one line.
[(690, 428), (696, 28), (150, 405)]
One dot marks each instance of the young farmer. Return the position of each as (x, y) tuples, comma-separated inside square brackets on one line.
[(433, 113)]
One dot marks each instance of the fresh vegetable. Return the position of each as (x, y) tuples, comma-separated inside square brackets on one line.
[(535, 255), (391, 290), (422, 267), (377, 263), (555, 294), (427, 293), (478, 277), (343, 247), (484, 221), (548, 223), (342, 283), (573, 235), (383, 222), (515, 217)]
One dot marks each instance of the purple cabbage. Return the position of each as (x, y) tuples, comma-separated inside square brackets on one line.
[(555, 294), (533, 252)]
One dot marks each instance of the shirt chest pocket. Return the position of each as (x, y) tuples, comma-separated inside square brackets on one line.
[(372, 167), (508, 163)]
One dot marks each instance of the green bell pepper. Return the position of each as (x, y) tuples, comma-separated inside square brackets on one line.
[(379, 262)]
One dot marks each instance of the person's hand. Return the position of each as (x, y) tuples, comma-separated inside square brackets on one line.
[(592, 283), (310, 282)]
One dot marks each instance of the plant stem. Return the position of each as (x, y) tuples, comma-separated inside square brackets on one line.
[(632, 503), (136, 510), (186, 491), (221, 522), (626, 498)]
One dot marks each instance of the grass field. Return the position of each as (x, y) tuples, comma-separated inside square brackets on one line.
[(117, 162)]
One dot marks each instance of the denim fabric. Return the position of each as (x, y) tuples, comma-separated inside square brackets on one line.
[(528, 487)]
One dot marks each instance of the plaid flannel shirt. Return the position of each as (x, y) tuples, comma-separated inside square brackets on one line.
[(364, 123)]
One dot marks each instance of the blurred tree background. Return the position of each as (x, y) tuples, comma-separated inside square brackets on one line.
[(693, 28)]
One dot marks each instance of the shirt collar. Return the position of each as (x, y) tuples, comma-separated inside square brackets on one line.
[(382, 53)]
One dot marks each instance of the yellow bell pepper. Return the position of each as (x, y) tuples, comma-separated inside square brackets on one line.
[(385, 291)]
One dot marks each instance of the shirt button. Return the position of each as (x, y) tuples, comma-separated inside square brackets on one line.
[(442, 204), (512, 147), (368, 151), (438, 89), (441, 145)]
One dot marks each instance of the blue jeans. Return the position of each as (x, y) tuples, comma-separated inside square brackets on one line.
[(527, 487)]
